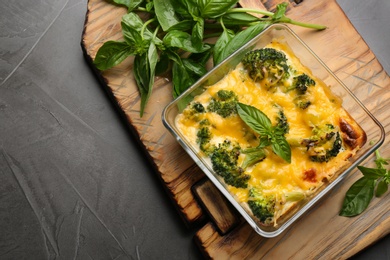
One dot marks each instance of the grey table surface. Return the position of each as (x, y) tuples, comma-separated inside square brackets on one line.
[(73, 182)]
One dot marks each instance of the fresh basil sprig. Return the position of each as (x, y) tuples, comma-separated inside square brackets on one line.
[(374, 181), (269, 135), (174, 30)]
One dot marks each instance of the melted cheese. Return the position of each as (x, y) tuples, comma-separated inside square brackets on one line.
[(273, 175)]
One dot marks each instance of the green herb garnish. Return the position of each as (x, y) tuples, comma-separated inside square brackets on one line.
[(374, 181), (269, 135)]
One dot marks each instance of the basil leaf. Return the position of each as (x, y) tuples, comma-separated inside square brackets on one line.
[(241, 38), (219, 47), (165, 13), (183, 7), (133, 21), (252, 156), (141, 73), (174, 56), (163, 64), (202, 57), (144, 71), (152, 57), (381, 188), (182, 80), (358, 197), (255, 119), (130, 4), (185, 74), (281, 147), (214, 8), (195, 68), (193, 8), (184, 25), (131, 30), (131, 35), (264, 141), (132, 26), (111, 53), (197, 33), (123, 2), (133, 4), (149, 6), (183, 41), (372, 173)]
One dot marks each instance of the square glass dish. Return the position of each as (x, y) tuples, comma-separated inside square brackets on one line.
[(372, 128)]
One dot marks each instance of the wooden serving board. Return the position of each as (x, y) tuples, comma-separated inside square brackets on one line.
[(320, 233)]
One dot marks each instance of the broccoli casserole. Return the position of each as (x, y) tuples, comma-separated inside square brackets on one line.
[(272, 132)]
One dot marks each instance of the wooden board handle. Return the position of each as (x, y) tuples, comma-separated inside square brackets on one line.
[(218, 208)]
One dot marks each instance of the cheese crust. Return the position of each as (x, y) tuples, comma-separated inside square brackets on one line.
[(289, 184)]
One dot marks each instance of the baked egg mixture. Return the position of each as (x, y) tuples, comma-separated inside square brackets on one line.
[(321, 135)]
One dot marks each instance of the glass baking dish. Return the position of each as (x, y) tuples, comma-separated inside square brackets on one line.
[(371, 126)]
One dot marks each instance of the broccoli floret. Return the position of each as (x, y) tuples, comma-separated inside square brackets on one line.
[(326, 154), (194, 111), (263, 207), (322, 134), (204, 122), (323, 137), (224, 103), (224, 159), (204, 136), (281, 122), (301, 84), (323, 145), (303, 104), (225, 95), (198, 107), (268, 64)]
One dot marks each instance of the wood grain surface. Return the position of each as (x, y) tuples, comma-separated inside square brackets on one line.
[(320, 233)]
